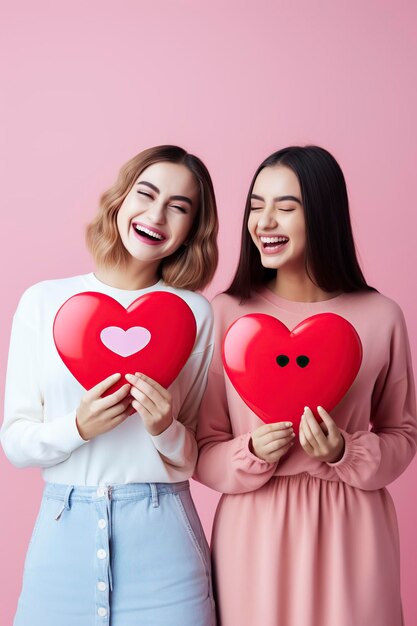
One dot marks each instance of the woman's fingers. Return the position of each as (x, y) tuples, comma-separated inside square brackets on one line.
[(276, 454), (322, 441), (141, 409), (152, 402), (101, 387), (154, 406), (305, 428), (150, 384), (313, 433), (312, 423), (92, 415), (276, 436), (115, 410), (114, 398), (272, 432), (277, 444), (303, 440), (153, 390), (329, 422), (270, 441), (272, 428)]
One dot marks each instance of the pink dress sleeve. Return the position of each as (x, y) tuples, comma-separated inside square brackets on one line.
[(374, 458), (225, 462)]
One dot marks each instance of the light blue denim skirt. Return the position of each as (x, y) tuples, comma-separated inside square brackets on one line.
[(123, 555)]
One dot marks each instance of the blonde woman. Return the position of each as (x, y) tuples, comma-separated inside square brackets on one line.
[(117, 539)]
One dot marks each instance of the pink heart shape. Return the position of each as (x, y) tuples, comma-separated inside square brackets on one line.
[(125, 342)]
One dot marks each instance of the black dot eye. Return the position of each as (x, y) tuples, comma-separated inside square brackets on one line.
[(302, 361), (282, 360)]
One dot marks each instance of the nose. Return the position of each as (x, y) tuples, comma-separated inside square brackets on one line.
[(267, 218), (156, 212)]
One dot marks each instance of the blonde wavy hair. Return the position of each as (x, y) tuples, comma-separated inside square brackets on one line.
[(191, 266)]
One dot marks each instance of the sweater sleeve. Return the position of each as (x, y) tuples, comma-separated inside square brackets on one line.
[(26, 438), (225, 462), (374, 458), (177, 444)]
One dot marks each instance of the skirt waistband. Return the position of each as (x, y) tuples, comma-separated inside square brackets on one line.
[(131, 491)]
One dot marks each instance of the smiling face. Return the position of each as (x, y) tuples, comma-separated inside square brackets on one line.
[(157, 214), (276, 221)]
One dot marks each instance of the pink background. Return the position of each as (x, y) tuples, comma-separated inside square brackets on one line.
[(89, 84)]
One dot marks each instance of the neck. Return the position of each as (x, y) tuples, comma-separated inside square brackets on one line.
[(129, 277), (298, 287)]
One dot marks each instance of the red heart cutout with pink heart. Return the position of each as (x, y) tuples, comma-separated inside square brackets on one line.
[(96, 336), (277, 372)]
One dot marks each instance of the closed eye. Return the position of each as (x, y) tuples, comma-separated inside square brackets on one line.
[(179, 208), (143, 193)]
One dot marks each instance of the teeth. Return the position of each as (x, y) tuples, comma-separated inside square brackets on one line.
[(274, 239), (142, 229)]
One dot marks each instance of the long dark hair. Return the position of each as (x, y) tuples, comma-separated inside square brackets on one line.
[(330, 256)]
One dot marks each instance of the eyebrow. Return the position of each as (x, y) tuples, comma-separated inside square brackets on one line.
[(277, 199), (155, 188)]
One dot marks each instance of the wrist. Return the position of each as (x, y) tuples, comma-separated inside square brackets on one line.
[(81, 430), (252, 451), (339, 453), (160, 427)]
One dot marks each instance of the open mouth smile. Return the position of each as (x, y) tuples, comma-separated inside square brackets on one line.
[(148, 235), (273, 245)]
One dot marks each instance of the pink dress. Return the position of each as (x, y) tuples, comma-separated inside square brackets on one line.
[(302, 542)]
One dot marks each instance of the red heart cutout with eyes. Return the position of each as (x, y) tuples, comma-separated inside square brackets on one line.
[(277, 372), (96, 337)]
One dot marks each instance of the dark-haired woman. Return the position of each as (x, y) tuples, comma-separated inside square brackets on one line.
[(306, 533), (117, 540)]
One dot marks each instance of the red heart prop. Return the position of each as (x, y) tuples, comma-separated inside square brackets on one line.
[(278, 372), (96, 337)]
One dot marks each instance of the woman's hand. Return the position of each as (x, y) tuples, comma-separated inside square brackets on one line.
[(152, 402), (271, 441), (97, 415), (321, 441)]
